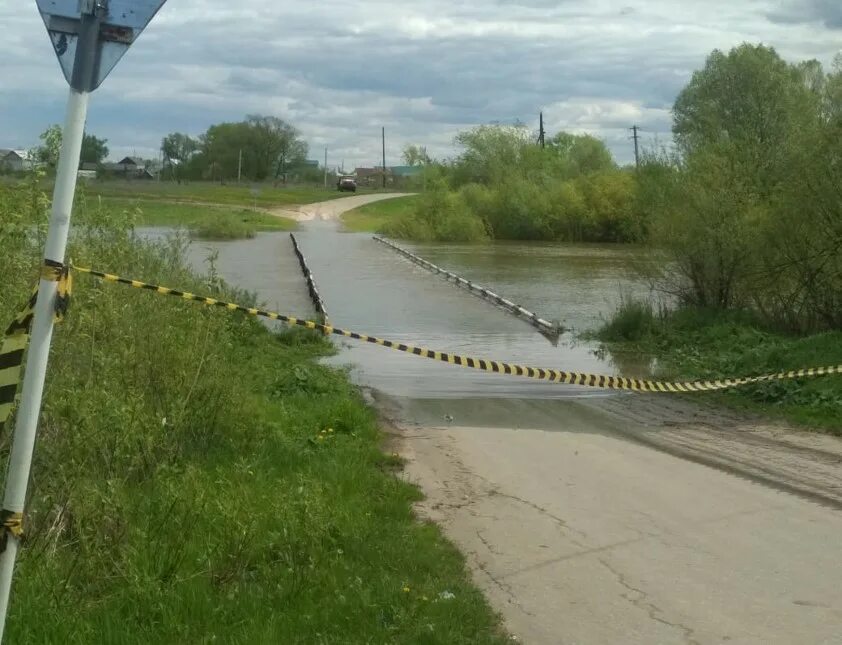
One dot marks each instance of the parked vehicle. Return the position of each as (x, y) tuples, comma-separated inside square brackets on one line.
[(348, 184)]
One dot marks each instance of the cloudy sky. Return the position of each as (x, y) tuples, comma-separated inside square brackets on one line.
[(341, 69)]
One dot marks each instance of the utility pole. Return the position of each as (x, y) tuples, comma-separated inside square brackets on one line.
[(384, 157), (97, 30), (325, 167), (240, 167), (542, 135), (636, 137)]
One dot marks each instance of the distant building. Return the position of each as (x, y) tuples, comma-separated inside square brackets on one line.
[(133, 168), (16, 160), (372, 176), (406, 171)]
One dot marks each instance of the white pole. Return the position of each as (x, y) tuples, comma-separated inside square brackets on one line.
[(325, 168), (23, 441)]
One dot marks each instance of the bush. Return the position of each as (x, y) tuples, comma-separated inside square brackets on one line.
[(632, 321), (223, 228)]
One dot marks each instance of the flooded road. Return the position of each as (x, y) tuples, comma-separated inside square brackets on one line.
[(371, 289), (585, 517)]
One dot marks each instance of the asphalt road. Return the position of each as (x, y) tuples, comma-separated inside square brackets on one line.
[(634, 519)]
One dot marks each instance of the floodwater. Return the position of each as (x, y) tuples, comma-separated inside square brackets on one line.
[(370, 289)]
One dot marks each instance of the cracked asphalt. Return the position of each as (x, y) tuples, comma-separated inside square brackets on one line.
[(634, 520)]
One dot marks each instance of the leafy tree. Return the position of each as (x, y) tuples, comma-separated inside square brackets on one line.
[(490, 153), (48, 151), (416, 156), (582, 153), (178, 149), (94, 150), (748, 102), (277, 146)]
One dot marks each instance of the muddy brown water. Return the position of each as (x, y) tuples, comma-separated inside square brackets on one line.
[(370, 289)]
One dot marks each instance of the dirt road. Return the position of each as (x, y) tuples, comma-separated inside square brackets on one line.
[(634, 519), (333, 209)]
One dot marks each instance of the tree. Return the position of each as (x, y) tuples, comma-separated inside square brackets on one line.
[(278, 145), (178, 149), (750, 103), (491, 152), (583, 153), (416, 156), (94, 150), (48, 151)]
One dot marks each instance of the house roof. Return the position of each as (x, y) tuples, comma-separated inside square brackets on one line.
[(406, 171), (131, 161), (20, 154)]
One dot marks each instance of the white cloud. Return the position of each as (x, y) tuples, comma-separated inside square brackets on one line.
[(340, 69)]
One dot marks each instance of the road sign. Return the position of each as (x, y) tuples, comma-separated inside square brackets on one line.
[(90, 37), (119, 23)]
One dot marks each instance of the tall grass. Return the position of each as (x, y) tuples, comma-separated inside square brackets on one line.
[(699, 343), (201, 478)]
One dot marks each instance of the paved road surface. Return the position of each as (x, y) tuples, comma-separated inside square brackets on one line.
[(331, 210), (634, 519)]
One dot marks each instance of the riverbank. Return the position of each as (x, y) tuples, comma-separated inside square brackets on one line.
[(213, 220), (696, 344), (371, 218), (200, 477)]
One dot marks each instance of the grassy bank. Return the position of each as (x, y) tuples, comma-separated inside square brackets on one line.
[(265, 196), (157, 213), (701, 344), (371, 218), (200, 478)]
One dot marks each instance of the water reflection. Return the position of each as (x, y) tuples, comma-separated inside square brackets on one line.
[(370, 289)]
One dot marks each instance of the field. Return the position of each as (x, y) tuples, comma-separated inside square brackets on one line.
[(259, 196), (372, 217)]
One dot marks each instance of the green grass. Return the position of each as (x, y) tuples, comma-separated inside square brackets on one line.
[(223, 229), (261, 196), (152, 213), (372, 217), (201, 478), (700, 344)]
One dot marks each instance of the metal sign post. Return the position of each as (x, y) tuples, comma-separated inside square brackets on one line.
[(89, 37)]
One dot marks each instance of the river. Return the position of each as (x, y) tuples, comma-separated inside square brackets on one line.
[(370, 289)]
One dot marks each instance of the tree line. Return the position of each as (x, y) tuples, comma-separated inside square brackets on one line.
[(259, 148), (745, 210), (503, 186)]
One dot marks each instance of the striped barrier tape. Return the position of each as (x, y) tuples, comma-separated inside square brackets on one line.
[(542, 374), (16, 338), (12, 351), (542, 325), (315, 296)]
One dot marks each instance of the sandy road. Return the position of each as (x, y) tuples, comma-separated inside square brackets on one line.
[(634, 519), (333, 209)]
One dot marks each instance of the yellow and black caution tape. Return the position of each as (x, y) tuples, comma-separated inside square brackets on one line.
[(12, 350), (542, 374), (11, 523), (16, 339)]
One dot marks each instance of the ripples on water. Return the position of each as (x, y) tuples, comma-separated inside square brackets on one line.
[(370, 289)]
